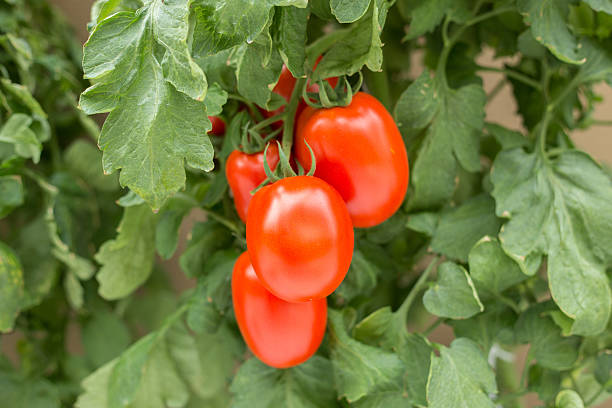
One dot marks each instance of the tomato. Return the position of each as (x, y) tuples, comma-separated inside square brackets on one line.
[(218, 126), (244, 172), (300, 238), (360, 152), (284, 87), (279, 333)]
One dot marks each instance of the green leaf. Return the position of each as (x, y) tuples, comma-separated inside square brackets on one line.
[(507, 139), (307, 385), (258, 69), (548, 20), (100, 348), (471, 221), (22, 96), (11, 194), (598, 61), (168, 224), (548, 347), (460, 377), (349, 11), (603, 368), (84, 160), (360, 280), (21, 392), (495, 324), (157, 121), (424, 222), (11, 287), (491, 268), (291, 36), (16, 131), (388, 330), (127, 260), (600, 5), (562, 208), (426, 15), (455, 118), (453, 295), (359, 369), (205, 239), (568, 399), (216, 97), (360, 46), (544, 381)]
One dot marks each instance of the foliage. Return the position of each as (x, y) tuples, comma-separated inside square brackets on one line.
[(515, 225)]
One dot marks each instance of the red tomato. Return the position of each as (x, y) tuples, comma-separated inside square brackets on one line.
[(279, 333), (244, 172), (284, 87), (218, 126), (360, 152), (300, 238)]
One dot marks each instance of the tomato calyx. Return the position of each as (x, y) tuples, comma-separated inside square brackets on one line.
[(330, 97), (249, 137), (284, 168)]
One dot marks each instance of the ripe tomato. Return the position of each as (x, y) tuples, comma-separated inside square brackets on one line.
[(279, 333), (244, 172), (218, 126), (360, 152), (284, 87), (300, 238)]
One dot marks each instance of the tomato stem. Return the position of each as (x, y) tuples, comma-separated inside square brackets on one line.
[(290, 111), (402, 312)]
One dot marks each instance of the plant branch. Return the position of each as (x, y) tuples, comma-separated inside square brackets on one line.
[(402, 312), (513, 74), (290, 111)]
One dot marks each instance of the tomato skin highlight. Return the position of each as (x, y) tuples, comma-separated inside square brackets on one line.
[(279, 333), (218, 126), (244, 172), (300, 238), (360, 152)]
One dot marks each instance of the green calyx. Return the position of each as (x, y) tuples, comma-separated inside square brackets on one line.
[(330, 97)]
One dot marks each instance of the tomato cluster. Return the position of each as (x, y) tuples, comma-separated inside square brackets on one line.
[(299, 229)]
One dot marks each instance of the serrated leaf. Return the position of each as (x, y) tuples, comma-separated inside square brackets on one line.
[(157, 121), (471, 221), (258, 69), (291, 37), (426, 15), (460, 377), (562, 208), (360, 46), (548, 347), (127, 260), (11, 194), (307, 385), (495, 324), (456, 119), (548, 20), (11, 287), (349, 11), (491, 268), (16, 132), (216, 97), (568, 399), (453, 295), (359, 369)]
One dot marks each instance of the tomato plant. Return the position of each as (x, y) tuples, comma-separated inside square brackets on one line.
[(478, 276)]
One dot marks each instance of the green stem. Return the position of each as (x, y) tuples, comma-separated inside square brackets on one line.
[(508, 384), (513, 74), (324, 43), (290, 112), (496, 89), (402, 312), (250, 106), (525, 372), (433, 326), (601, 390), (42, 183), (597, 122)]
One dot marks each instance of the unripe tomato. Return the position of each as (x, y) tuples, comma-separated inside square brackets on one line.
[(300, 238), (244, 172), (360, 152), (279, 333), (218, 126)]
